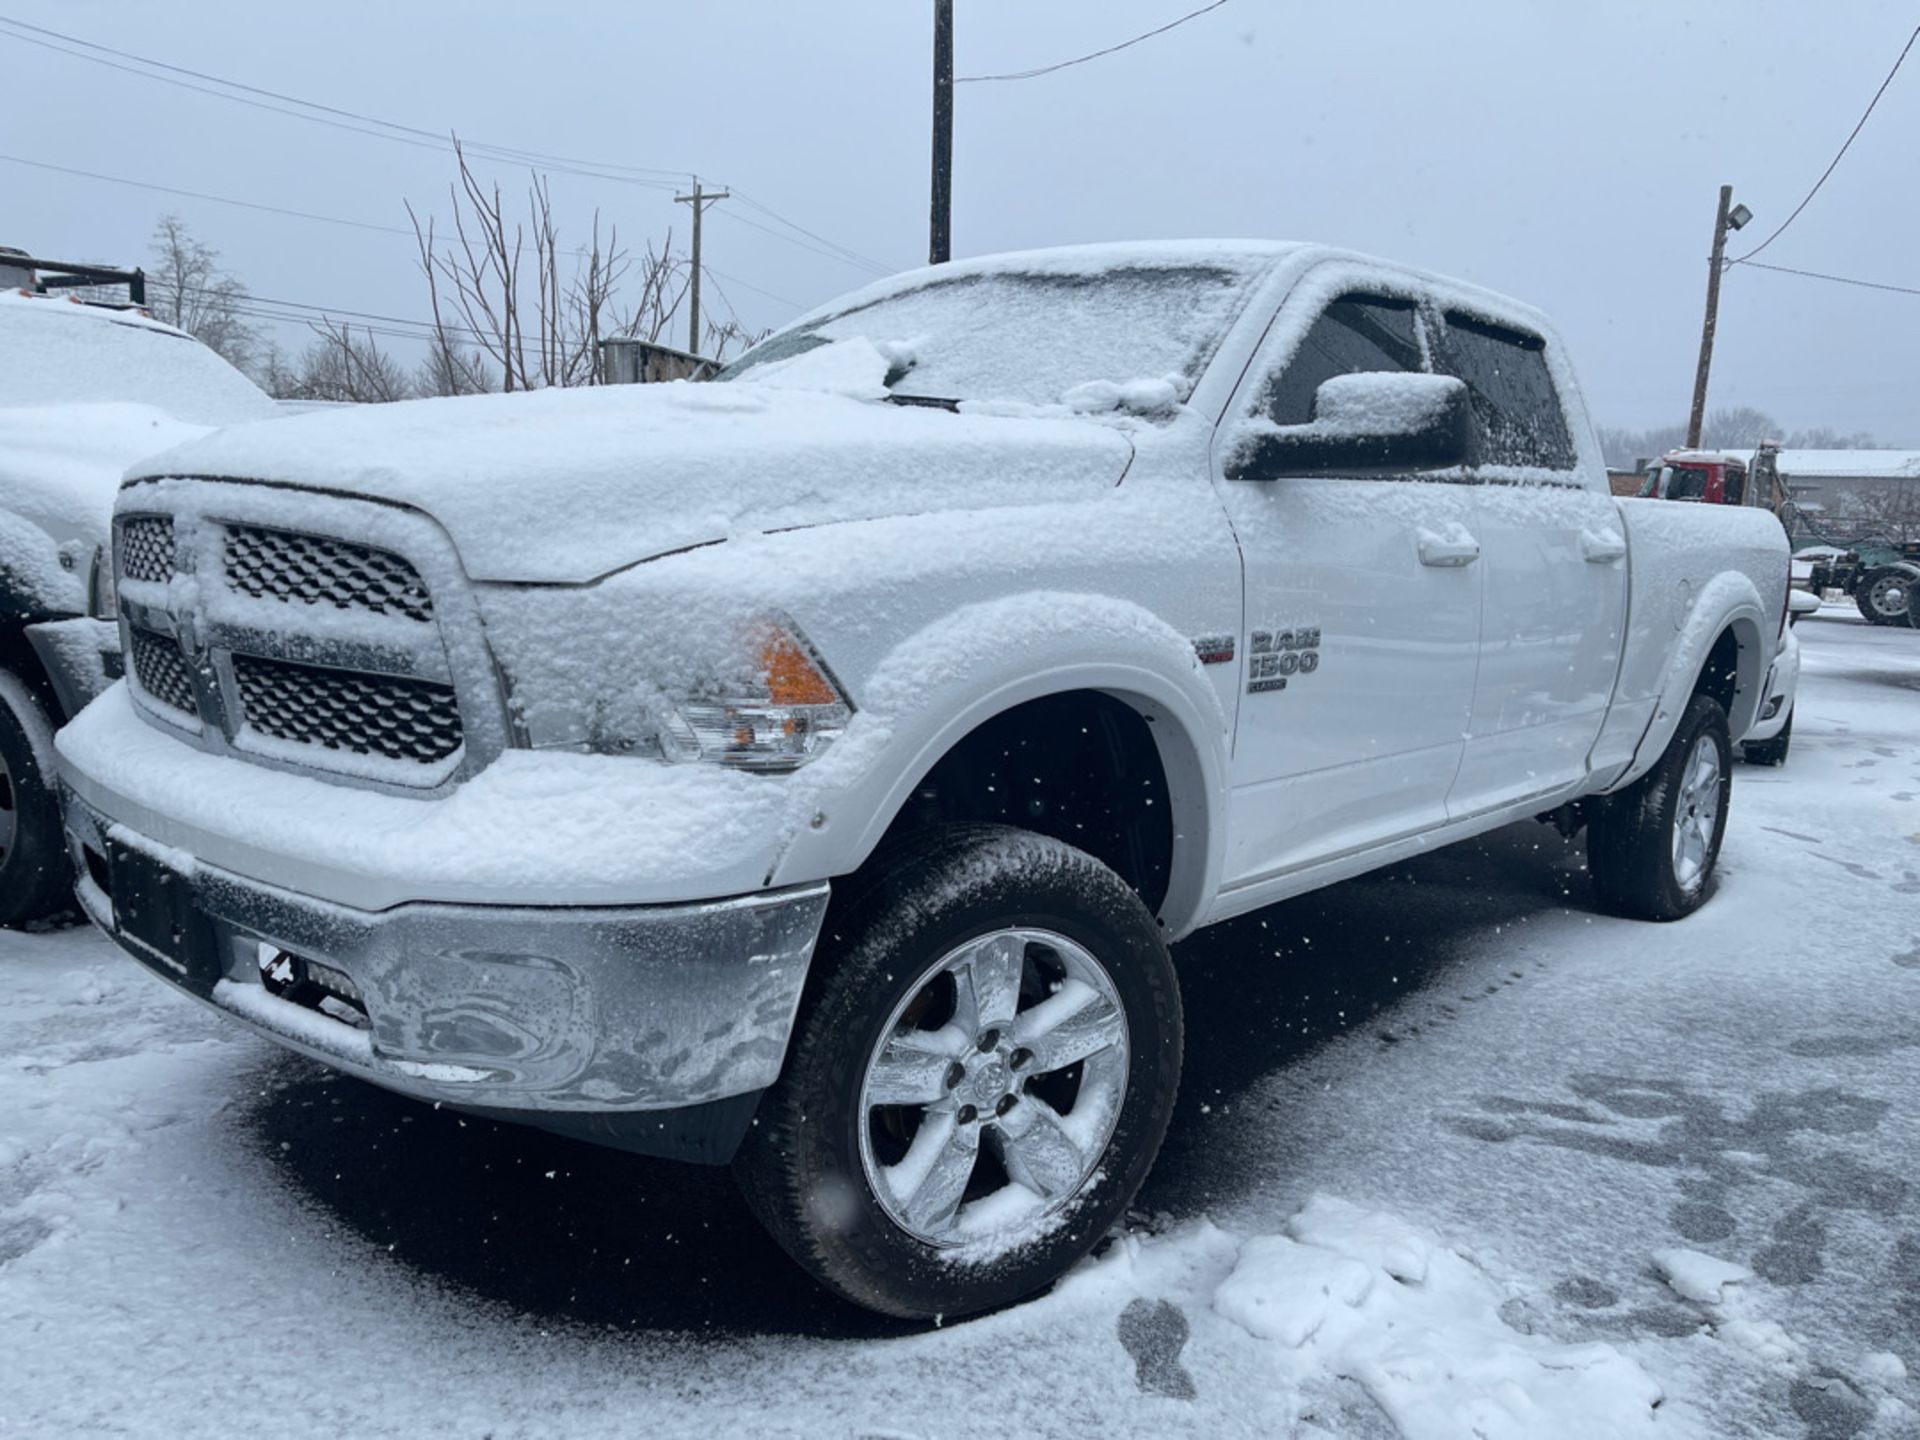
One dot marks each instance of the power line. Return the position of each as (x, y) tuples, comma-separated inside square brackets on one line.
[(1852, 136), (1095, 55), (354, 122), (666, 176), (214, 199), (1838, 279), (318, 218)]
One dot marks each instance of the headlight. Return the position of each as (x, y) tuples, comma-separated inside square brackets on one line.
[(775, 707), (787, 714)]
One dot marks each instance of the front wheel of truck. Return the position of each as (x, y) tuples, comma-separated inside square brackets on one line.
[(1653, 846), (33, 858), (980, 1075)]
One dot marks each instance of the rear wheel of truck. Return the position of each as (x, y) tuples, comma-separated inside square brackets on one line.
[(33, 856), (980, 1075), (1769, 752), (1885, 596), (1652, 847)]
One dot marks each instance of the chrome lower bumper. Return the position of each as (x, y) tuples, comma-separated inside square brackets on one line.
[(539, 1014)]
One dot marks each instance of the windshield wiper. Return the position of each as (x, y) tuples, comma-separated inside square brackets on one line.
[(926, 402)]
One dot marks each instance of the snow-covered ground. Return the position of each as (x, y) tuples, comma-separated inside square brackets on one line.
[(1455, 1157)]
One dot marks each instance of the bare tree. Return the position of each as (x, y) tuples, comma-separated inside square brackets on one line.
[(451, 369), (340, 365), (512, 303), (1739, 428), (1887, 510), (189, 289)]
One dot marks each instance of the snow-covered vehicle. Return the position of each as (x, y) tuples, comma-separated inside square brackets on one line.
[(84, 392), (1772, 733), (811, 769)]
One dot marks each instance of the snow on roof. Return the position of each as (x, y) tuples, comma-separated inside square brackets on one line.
[(56, 351), (1701, 457), (1073, 260), (1850, 464)]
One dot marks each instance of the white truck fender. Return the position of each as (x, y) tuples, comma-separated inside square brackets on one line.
[(936, 686), (1730, 601)]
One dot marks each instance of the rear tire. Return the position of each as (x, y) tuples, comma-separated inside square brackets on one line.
[(1885, 597), (922, 1155), (35, 879), (1653, 846), (1769, 752)]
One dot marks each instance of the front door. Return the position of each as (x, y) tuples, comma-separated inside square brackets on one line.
[(1362, 614)]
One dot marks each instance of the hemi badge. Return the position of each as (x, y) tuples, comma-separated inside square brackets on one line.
[(1214, 649)]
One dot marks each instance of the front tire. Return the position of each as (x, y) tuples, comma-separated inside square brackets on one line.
[(34, 875), (980, 1076), (1653, 846)]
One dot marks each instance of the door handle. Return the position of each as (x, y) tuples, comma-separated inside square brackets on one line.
[(1602, 549), (1452, 549)]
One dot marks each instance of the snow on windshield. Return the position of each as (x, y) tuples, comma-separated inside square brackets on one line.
[(53, 352), (1035, 335)]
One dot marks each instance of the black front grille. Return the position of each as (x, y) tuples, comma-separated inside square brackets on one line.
[(162, 671), (389, 716), (146, 548), (315, 570)]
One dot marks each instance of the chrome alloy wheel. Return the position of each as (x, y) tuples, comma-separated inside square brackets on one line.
[(994, 1088), (1889, 596), (1696, 815)]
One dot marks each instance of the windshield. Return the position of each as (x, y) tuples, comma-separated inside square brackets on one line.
[(54, 353), (1032, 336)]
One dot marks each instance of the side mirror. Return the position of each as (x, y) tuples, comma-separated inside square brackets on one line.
[(1366, 422), (1799, 603)]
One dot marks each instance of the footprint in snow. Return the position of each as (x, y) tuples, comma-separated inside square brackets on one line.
[(1154, 1332)]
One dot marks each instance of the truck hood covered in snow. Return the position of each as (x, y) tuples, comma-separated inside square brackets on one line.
[(564, 486)]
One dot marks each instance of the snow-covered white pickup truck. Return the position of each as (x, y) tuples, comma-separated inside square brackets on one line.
[(85, 391), (812, 769)]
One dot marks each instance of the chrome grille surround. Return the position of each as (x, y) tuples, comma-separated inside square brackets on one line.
[(303, 653), (146, 548), (319, 570)]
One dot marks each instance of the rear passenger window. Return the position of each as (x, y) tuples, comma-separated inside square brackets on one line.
[(1354, 334), (1512, 392)]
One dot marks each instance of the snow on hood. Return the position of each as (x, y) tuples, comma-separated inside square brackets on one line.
[(62, 463), (568, 485)]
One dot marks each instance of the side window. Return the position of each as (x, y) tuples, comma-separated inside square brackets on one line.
[(1512, 393), (1734, 488), (1355, 333)]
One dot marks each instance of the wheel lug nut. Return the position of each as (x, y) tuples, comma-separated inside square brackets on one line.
[(1020, 1059), (956, 1072), (968, 1115), (1006, 1104), (989, 1040)]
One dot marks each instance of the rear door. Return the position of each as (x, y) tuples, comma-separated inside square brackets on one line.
[(1362, 610), (1554, 552)]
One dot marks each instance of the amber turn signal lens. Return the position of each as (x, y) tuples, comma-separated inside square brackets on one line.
[(792, 676)]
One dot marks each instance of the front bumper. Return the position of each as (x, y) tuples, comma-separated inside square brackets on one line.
[(653, 1027)]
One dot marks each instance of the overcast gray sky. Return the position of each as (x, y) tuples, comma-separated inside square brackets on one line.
[(1567, 154)]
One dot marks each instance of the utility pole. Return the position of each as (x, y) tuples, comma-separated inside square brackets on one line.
[(940, 231), (1712, 320), (699, 200)]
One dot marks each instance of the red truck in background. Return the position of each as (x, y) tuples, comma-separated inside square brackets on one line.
[(1709, 477)]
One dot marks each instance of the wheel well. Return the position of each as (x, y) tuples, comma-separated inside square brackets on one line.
[(17, 655), (1720, 676), (1080, 767)]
